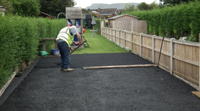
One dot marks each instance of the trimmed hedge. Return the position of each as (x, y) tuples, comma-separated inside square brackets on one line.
[(19, 40), (98, 26), (184, 20)]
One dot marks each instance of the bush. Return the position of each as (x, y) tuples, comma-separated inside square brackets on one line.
[(19, 40), (183, 20), (98, 25)]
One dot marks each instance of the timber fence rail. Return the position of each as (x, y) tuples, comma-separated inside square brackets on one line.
[(177, 57)]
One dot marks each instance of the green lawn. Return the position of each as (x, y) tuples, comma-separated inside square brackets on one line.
[(98, 44)]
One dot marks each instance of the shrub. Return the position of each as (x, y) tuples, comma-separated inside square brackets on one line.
[(19, 40), (183, 20)]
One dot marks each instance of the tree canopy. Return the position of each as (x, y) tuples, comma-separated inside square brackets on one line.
[(54, 7), (34, 7), (8, 6), (129, 7), (174, 2), (143, 6), (26, 7)]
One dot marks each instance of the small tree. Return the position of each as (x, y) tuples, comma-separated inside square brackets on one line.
[(143, 6), (129, 7), (26, 7), (84, 11), (174, 2), (154, 6), (94, 14), (8, 6)]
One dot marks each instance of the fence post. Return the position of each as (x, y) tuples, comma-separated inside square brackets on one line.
[(110, 34), (199, 37), (125, 39), (113, 24), (132, 26), (119, 36), (141, 44), (103, 27), (115, 35), (199, 64), (100, 27), (153, 48), (106, 32), (122, 25), (131, 41), (171, 55)]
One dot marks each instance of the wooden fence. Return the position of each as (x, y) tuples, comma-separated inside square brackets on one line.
[(139, 26), (178, 57)]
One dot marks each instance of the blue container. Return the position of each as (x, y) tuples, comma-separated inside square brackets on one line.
[(56, 52)]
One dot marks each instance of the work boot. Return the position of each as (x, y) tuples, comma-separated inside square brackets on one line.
[(68, 70)]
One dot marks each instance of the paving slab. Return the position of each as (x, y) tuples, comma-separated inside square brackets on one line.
[(46, 88)]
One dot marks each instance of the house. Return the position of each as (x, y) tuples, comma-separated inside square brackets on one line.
[(124, 17), (121, 10), (107, 13), (128, 23), (44, 15), (2, 10)]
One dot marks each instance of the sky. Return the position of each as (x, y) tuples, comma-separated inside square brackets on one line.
[(85, 3)]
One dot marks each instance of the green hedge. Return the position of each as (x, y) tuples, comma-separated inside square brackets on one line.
[(184, 20), (19, 40), (98, 26)]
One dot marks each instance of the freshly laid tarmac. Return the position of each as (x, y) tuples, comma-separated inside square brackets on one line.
[(46, 88)]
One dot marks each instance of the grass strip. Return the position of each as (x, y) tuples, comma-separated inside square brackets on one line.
[(98, 44)]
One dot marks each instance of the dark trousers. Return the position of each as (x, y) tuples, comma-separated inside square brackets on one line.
[(65, 54)]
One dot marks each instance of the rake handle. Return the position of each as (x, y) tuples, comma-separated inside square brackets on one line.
[(78, 46)]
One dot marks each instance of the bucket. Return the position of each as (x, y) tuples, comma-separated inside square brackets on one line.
[(56, 52)]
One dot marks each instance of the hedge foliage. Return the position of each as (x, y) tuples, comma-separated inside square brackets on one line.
[(19, 40), (98, 26), (183, 21)]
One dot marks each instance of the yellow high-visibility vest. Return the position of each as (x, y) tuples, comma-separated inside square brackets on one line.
[(65, 35)]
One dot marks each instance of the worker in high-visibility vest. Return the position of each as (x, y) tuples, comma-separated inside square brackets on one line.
[(64, 40)]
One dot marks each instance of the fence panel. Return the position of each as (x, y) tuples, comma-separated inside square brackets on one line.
[(117, 37), (147, 47), (121, 38), (139, 26), (128, 40), (136, 43), (178, 57), (186, 58)]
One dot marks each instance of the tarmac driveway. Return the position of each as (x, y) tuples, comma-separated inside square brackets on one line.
[(46, 88)]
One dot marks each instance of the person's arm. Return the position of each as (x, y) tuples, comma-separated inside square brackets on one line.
[(72, 50), (79, 38)]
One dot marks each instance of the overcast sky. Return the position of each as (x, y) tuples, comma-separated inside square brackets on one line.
[(85, 3)]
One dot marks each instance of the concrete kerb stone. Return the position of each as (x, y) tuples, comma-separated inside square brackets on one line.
[(11, 87)]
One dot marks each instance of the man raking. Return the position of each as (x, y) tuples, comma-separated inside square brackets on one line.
[(64, 40)]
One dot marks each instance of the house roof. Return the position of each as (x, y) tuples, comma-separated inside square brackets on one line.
[(121, 10), (107, 11), (2, 8), (45, 14), (118, 16)]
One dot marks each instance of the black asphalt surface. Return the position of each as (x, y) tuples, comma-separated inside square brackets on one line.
[(46, 88)]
